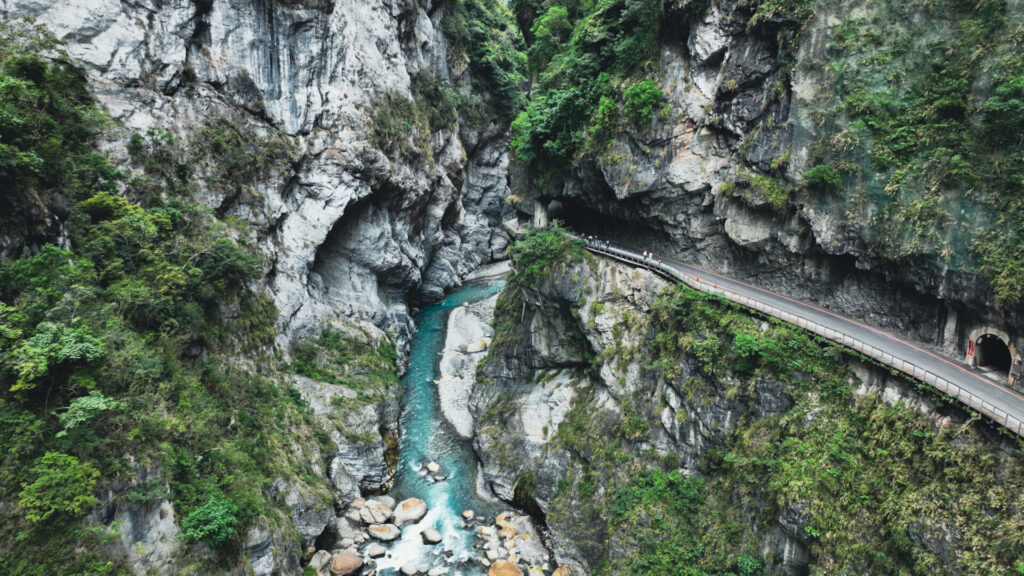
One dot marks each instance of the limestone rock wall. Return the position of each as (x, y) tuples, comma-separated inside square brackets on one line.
[(575, 364), (739, 101), (350, 233)]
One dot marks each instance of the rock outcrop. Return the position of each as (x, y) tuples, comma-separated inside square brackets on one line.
[(743, 112), (276, 109), (577, 399), (352, 230)]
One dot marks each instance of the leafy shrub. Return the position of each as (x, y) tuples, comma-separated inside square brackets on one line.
[(240, 157), (85, 408), (437, 99), (213, 523), (1004, 110), (770, 190), (640, 101), (540, 250), (62, 486), (824, 178), (604, 126), (747, 565), (399, 127), (52, 346)]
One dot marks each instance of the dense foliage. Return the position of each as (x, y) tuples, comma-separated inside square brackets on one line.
[(923, 127), (484, 33), (582, 56), (868, 485), (120, 352), (535, 255), (61, 485), (214, 523), (46, 121), (367, 369)]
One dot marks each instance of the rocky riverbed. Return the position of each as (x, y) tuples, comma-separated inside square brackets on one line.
[(440, 517), (362, 543)]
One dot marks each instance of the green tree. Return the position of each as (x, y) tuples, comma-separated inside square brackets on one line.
[(1004, 110), (540, 249), (640, 100), (51, 346), (62, 485), (213, 523), (86, 408), (550, 31), (822, 177)]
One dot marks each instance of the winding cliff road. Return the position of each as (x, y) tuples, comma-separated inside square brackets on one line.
[(969, 386)]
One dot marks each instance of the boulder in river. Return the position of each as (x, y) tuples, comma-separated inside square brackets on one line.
[(375, 550), (345, 563), (385, 532), (349, 529), (320, 559), (504, 568), (561, 571), (468, 515), (375, 512), (410, 511), (409, 570), (431, 536), (433, 467)]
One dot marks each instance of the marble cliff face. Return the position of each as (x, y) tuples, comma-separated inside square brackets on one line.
[(348, 231)]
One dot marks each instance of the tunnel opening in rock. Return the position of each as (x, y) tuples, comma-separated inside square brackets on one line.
[(993, 353), (585, 220)]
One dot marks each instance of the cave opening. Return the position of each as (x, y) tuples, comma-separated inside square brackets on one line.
[(993, 353)]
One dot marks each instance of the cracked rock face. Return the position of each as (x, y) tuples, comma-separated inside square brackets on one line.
[(350, 233), (736, 102), (547, 408)]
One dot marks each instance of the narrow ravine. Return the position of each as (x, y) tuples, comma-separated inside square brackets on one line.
[(429, 438)]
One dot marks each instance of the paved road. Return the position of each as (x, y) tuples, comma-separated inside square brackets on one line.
[(969, 386)]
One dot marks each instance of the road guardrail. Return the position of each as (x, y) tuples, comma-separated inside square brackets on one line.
[(994, 413)]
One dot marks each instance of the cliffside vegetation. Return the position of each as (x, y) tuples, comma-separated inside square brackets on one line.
[(915, 116), (786, 439), (588, 61), (904, 114), (135, 352), (483, 34)]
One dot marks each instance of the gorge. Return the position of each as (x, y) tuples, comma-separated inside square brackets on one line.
[(237, 237)]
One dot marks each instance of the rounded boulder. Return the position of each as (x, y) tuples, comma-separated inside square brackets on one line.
[(410, 511), (504, 568), (345, 563), (385, 532)]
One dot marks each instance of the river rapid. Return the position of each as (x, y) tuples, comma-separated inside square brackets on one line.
[(428, 437)]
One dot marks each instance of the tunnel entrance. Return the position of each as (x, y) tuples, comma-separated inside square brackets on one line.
[(583, 219), (993, 354)]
